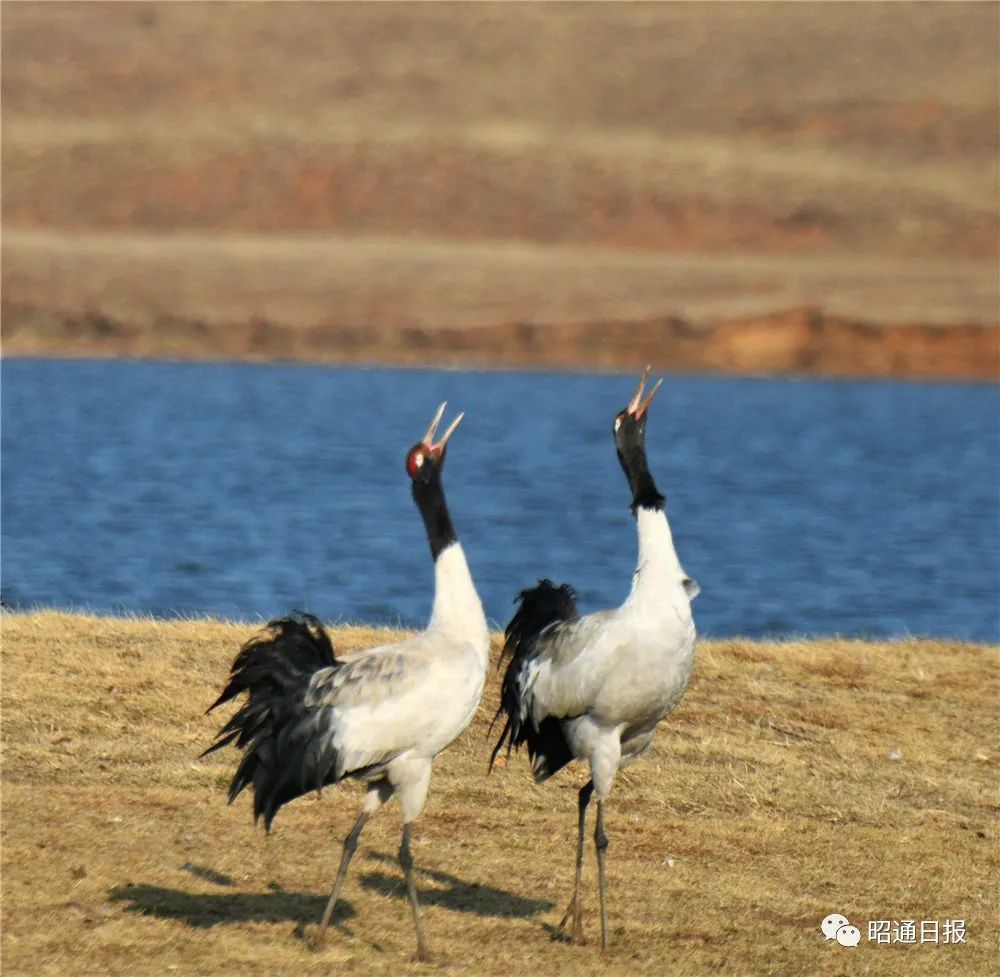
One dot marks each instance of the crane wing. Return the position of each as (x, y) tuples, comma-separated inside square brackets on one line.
[(310, 719), (539, 633)]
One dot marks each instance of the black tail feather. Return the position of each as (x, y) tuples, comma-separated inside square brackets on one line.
[(274, 668), (541, 607)]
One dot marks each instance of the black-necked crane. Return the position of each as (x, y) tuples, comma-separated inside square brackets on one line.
[(311, 719), (595, 687)]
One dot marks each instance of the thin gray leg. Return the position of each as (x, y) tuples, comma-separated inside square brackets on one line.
[(575, 908), (350, 844), (601, 844), (406, 861)]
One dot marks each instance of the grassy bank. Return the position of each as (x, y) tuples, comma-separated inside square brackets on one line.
[(795, 780)]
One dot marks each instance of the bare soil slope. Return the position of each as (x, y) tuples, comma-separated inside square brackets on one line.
[(697, 161), (794, 780)]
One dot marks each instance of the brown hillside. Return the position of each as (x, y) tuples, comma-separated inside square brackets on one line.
[(700, 161)]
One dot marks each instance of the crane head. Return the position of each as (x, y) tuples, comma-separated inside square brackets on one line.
[(425, 459), (630, 443), (630, 422)]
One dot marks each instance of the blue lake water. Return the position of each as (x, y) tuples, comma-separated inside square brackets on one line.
[(802, 507)]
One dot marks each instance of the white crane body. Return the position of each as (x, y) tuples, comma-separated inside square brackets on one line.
[(380, 715), (595, 687)]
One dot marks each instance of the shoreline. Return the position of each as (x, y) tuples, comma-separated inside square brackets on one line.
[(357, 635), (796, 342)]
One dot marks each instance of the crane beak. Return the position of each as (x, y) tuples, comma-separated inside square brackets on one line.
[(428, 438), (638, 406)]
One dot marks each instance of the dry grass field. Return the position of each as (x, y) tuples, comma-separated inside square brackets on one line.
[(795, 780), (219, 180)]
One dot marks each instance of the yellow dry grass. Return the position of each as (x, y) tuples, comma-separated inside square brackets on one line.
[(794, 780)]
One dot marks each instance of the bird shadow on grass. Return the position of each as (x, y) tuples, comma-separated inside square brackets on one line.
[(458, 895), (207, 909)]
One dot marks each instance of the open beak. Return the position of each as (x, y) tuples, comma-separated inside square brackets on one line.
[(428, 438), (638, 406)]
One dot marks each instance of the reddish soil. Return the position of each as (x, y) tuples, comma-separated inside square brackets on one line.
[(797, 341)]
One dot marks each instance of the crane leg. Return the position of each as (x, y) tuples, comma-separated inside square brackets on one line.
[(601, 844), (406, 861), (575, 909), (350, 844), (378, 793)]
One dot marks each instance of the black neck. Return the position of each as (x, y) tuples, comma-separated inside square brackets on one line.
[(645, 494), (429, 497)]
